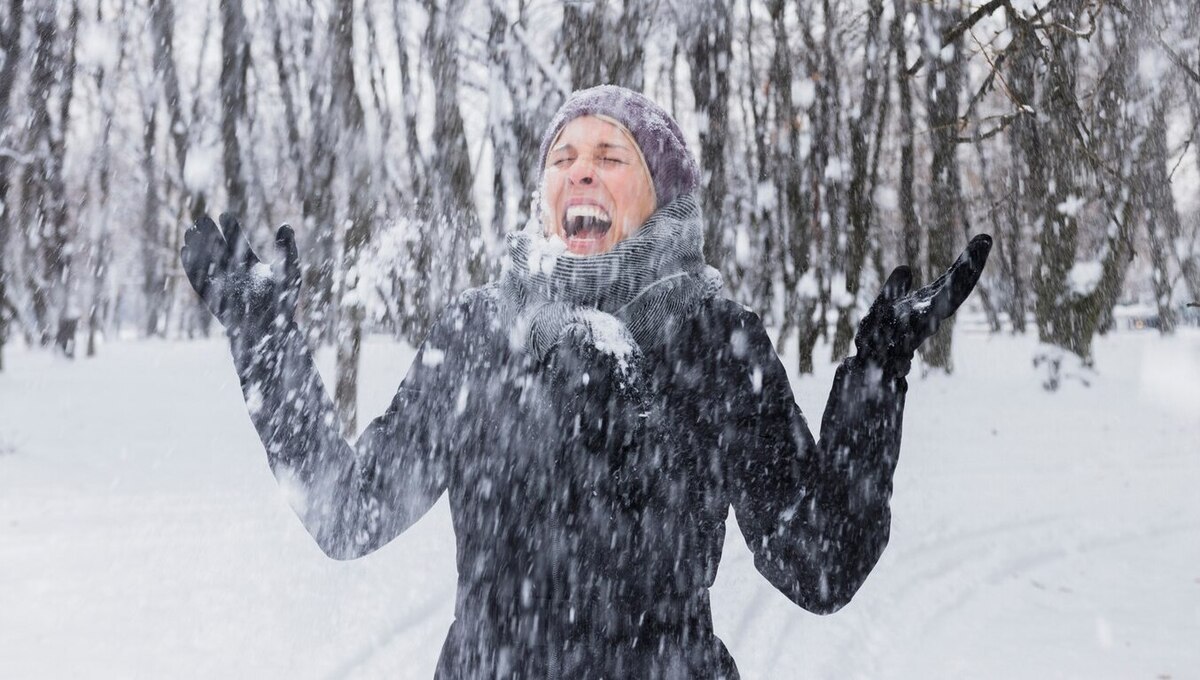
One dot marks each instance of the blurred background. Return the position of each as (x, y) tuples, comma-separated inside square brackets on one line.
[(1045, 517), (838, 138)]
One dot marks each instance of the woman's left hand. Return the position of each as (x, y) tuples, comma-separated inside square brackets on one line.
[(899, 320)]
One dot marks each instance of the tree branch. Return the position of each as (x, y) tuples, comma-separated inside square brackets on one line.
[(1171, 54), (953, 34), (13, 154), (1005, 121), (1177, 60), (547, 71), (1182, 155)]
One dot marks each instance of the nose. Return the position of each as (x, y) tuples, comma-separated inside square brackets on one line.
[(582, 171)]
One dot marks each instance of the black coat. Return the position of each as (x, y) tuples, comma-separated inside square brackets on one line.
[(589, 492)]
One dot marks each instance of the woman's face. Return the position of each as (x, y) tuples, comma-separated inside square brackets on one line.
[(597, 189)]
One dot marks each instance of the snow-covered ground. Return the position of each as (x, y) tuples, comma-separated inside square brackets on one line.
[(1035, 535)]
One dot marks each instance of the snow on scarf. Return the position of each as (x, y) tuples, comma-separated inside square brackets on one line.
[(622, 297)]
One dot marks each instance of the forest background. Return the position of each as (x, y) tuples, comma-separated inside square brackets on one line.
[(838, 138)]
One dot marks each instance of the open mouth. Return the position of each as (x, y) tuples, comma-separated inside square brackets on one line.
[(586, 222)]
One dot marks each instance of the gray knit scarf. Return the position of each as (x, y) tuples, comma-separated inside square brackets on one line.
[(656, 273)]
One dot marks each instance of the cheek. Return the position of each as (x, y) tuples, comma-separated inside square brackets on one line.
[(551, 192), (628, 192), (638, 203)]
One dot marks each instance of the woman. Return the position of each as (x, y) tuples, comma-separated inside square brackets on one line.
[(592, 415)]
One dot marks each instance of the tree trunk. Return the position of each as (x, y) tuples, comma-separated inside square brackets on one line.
[(66, 231), (910, 224), (526, 98), (603, 51), (314, 161), (162, 27), (860, 206), (234, 61), (1164, 229), (162, 23), (153, 281), (945, 83), (10, 40), (759, 225), (792, 200), (51, 80), (416, 159), (709, 37), (1189, 258), (499, 124), (349, 120), (452, 175), (101, 255), (1026, 173), (1069, 318), (828, 214), (1058, 231)]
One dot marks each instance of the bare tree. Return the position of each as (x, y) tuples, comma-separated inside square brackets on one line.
[(162, 23), (1189, 254), (1068, 313), (800, 94), (51, 80), (101, 252), (10, 51), (793, 197), (194, 198), (418, 167), (1163, 226), (910, 223), (707, 32), (452, 176), (828, 206), (604, 44), (295, 53), (758, 216), (860, 206), (235, 59), (522, 98), (945, 80), (1025, 171), (153, 272), (349, 121)]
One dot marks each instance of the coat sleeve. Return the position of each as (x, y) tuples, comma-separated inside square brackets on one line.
[(355, 497), (814, 514)]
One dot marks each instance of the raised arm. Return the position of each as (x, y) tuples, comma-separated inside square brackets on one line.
[(816, 514), (352, 498)]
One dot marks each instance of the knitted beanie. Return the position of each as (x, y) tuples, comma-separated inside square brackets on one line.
[(672, 167)]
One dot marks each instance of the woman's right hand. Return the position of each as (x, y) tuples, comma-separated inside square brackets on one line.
[(238, 288)]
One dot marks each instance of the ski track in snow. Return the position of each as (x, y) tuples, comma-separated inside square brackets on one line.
[(1034, 535), (965, 570)]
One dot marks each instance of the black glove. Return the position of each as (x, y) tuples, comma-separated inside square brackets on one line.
[(596, 390), (580, 368), (899, 321), (241, 291)]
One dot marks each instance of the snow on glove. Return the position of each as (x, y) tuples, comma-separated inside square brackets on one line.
[(238, 288), (592, 347), (899, 321), (597, 393)]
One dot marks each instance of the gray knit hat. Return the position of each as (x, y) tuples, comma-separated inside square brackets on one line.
[(672, 167)]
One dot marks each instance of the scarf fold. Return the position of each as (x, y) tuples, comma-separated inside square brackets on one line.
[(657, 272)]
